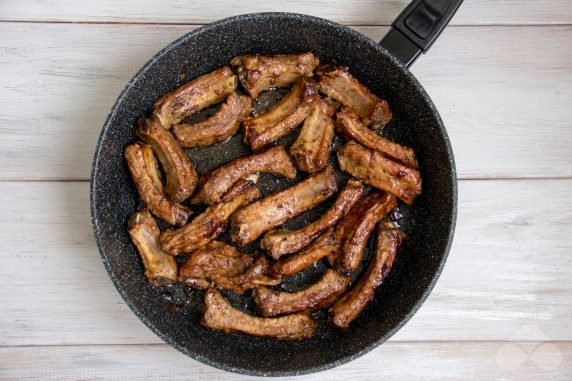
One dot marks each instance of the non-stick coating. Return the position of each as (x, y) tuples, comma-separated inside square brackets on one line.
[(429, 223)]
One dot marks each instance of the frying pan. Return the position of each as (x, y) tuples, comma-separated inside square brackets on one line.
[(174, 313)]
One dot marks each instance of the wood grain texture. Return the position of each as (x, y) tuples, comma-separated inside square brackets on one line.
[(396, 361), (507, 277), (502, 307), (358, 12), (505, 105)]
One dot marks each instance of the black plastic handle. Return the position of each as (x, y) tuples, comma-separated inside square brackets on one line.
[(417, 27)]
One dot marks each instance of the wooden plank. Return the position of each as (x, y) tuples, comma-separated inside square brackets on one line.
[(508, 115), (359, 12), (507, 277), (396, 361)]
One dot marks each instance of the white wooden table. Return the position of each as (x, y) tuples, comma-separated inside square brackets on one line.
[(501, 76)]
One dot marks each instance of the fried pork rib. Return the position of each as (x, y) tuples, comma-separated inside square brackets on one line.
[(214, 184), (281, 242), (219, 314), (250, 222), (349, 306), (258, 73), (282, 118), (219, 127), (356, 227), (160, 268), (373, 168), (336, 82), (211, 223), (327, 244), (312, 147), (200, 93), (350, 127), (219, 264), (320, 295), (181, 177), (146, 176)]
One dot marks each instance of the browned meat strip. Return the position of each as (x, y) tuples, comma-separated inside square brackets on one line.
[(211, 223), (283, 117), (219, 264), (218, 127), (160, 268), (219, 314), (349, 306), (376, 170), (214, 184), (337, 82), (312, 148), (356, 227), (145, 174), (258, 73), (280, 242), (250, 222), (200, 93), (181, 177), (326, 244), (350, 127), (320, 295)]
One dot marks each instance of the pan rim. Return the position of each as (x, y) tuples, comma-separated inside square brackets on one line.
[(97, 229)]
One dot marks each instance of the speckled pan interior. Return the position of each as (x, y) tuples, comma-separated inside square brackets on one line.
[(173, 313)]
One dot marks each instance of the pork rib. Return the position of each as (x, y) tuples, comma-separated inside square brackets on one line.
[(211, 223), (213, 185), (281, 242), (373, 168), (219, 127), (147, 178), (252, 221), (192, 97), (258, 73), (219, 314), (320, 295), (351, 305), (160, 268)]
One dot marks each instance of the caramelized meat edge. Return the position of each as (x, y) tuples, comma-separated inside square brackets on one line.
[(214, 185), (258, 73), (219, 314), (252, 221), (320, 295), (373, 168), (219, 127), (336, 82), (325, 245), (282, 118), (354, 230), (160, 268), (146, 176), (350, 127), (211, 223), (312, 147), (181, 177), (351, 305), (221, 265), (281, 242), (200, 93)]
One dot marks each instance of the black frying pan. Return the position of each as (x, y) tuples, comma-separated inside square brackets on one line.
[(174, 313)]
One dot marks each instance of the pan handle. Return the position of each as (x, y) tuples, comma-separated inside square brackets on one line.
[(417, 27)]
